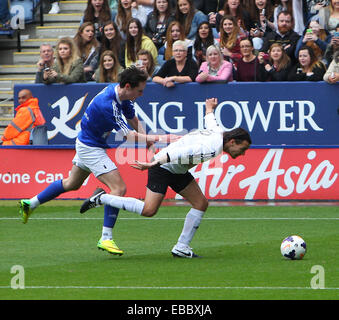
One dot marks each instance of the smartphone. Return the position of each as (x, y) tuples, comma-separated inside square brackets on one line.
[(139, 63), (309, 31), (336, 34)]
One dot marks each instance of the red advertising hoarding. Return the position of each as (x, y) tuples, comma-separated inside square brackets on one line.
[(270, 174)]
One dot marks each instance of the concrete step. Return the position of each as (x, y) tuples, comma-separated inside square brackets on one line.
[(27, 57), (7, 114), (5, 84), (4, 121), (63, 17), (37, 42), (73, 6), (7, 104), (13, 77), (16, 78), (18, 69), (6, 94), (7, 108), (56, 31), (8, 83)]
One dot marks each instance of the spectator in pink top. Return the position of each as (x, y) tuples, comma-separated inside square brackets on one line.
[(215, 68)]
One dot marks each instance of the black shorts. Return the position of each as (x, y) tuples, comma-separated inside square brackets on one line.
[(160, 179)]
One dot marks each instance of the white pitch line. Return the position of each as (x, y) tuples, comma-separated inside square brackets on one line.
[(171, 288), (207, 218)]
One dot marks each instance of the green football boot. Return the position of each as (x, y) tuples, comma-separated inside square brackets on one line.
[(109, 246), (25, 210)]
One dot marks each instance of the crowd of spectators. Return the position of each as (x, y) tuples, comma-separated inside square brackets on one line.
[(176, 41), (180, 41)]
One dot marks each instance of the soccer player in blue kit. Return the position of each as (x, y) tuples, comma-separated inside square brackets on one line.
[(103, 114)]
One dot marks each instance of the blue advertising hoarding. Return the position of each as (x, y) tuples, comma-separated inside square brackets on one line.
[(275, 113)]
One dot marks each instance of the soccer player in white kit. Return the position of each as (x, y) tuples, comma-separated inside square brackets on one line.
[(103, 114), (170, 168)]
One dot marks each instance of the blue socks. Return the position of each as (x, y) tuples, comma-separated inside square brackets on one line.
[(56, 188), (110, 216), (51, 192)]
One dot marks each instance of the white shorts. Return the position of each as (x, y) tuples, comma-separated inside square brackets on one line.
[(92, 159)]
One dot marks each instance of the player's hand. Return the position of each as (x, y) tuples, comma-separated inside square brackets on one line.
[(143, 165), (211, 104), (169, 138)]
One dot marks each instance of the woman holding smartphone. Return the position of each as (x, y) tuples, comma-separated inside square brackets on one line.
[(314, 37), (308, 68)]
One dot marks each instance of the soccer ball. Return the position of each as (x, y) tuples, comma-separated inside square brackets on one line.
[(293, 248)]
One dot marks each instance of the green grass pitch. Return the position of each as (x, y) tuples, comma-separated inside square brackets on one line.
[(239, 245)]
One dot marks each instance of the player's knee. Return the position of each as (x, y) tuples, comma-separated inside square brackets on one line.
[(70, 185), (149, 212), (203, 205), (119, 191)]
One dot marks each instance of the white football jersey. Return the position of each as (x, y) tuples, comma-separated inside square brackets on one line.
[(193, 148)]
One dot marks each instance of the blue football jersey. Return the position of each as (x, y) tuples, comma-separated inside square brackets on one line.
[(103, 114)]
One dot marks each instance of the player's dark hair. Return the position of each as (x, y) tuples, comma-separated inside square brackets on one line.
[(133, 76), (238, 134)]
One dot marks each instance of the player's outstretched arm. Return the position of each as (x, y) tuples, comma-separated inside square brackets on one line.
[(140, 136), (147, 165)]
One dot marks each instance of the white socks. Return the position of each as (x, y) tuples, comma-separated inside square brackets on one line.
[(34, 202), (125, 203), (106, 233), (192, 222), (130, 204)]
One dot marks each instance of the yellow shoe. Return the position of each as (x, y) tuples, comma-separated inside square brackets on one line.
[(109, 246), (25, 210)]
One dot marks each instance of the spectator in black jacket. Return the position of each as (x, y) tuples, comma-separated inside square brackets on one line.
[(276, 67), (284, 35), (158, 21), (181, 69), (308, 68)]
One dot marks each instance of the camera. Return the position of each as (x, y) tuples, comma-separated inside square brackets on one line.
[(257, 29), (266, 56), (158, 38), (46, 67), (299, 70)]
